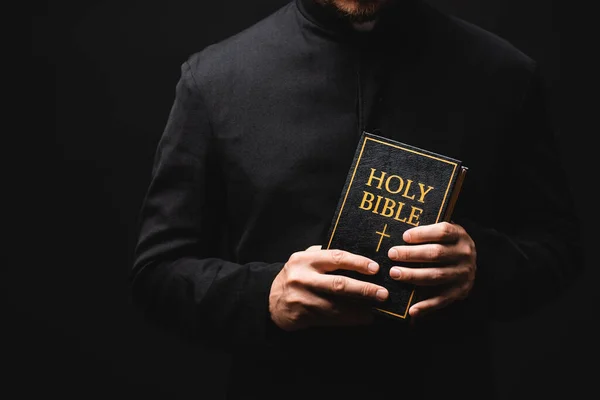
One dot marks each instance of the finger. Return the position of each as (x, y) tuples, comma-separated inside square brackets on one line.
[(314, 248), (428, 276), (331, 260), (442, 300), (439, 232), (433, 252), (344, 286)]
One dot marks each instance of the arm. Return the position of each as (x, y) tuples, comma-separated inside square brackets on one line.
[(530, 250), (181, 279), (178, 278), (525, 247)]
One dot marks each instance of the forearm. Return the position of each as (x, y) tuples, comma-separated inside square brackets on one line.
[(529, 247), (207, 297), (521, 272), (181, 277)]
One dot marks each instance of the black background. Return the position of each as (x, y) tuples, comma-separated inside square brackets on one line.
[(103, 82)]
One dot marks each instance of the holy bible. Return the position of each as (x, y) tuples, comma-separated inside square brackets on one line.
[(391, 187)]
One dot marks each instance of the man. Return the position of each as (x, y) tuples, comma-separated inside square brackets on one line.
[(251, 165)]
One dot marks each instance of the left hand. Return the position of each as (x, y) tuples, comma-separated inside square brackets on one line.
[(452, 250)]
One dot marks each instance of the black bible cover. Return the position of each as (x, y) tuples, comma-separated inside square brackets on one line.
[(391, 187)]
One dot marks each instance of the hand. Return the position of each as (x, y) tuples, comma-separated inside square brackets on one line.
[(304, 295), (452, 249)]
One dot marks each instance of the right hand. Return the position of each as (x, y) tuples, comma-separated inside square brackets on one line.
[(304, 295)]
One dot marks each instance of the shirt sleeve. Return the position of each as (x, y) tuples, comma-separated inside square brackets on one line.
[(531, 249), (178, 278)]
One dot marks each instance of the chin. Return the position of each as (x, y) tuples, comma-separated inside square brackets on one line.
[(358, 10)]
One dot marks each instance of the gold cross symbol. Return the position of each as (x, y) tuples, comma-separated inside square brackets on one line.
[(382, 235)]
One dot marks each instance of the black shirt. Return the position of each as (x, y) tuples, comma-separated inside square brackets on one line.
[(253, 160)]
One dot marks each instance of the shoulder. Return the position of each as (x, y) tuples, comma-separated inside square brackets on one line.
[(490, 47), (477, 48), (240, 52)]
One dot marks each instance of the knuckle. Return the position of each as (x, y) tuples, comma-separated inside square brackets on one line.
[(448, 229), (294, 277), (441, 301), (407, 274), (439, 274), (337, 256), (466, 288), (473, 271), (432, 304), (403, 253), (368, 290), (472, 249), (338, 284), (463, 273), (468, 250), (414, 235), (293, 300), (444, 302), (295, 316), (436, 251), (295, 258)]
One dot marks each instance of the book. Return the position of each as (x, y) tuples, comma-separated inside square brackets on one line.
[(391, 187)]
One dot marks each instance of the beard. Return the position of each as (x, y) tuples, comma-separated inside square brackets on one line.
[(357, 11)]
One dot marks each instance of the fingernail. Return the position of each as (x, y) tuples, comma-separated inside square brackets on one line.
[(393, 253), (373, 267), (395, 272), (382, 294)]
